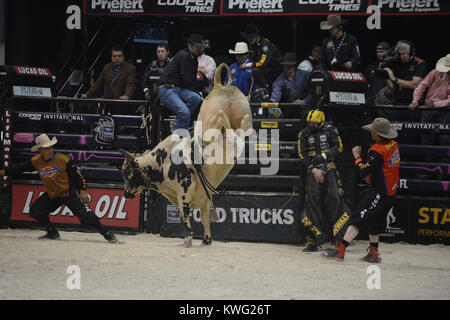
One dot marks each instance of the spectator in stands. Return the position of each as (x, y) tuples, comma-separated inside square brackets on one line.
[(178, 83), (291, 84), (118, 79), (264, 55), (319, 145), (340, 50), (241, 78), (312, 62), (438, 96), (404, 76), (374, 73), (207, 66), (64, 185), (153, 71)]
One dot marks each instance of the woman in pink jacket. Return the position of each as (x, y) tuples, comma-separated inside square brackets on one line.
[(438, 97)]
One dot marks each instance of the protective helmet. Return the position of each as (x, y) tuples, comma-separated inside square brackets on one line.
[(317, 116)]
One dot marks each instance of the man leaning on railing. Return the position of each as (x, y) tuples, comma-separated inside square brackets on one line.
[(438, 96)]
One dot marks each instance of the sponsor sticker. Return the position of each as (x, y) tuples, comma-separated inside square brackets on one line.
[(173, 214), (269, 124), (25, 91), (347, 97)]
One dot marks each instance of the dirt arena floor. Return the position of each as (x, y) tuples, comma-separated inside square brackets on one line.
[(147, 266)]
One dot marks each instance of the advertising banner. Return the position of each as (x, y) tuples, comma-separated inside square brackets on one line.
[(430, 220), (108, 204), (262, 7), (261, 218), (397, 228), (294, 7), (412, 7), (153, 7)]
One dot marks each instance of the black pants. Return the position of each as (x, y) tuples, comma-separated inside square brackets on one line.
[(372, 212), (44, 205), (325, 207), (264, 77)]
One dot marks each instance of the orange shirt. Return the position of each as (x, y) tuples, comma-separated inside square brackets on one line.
[(382, 167), (53, 174)]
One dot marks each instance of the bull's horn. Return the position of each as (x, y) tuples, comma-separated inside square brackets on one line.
[(127, 154), (217, 76)]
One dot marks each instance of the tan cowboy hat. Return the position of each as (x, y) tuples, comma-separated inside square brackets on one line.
[(443, 64), (289, 59), (239, 48), (332, 21), (382, 127), (43, 141)]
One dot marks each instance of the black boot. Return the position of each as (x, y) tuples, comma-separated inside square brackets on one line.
[(311, 245), (52, 234), (206, 241), (110, 237)]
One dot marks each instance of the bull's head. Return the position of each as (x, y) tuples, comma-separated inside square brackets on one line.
[(133, 176)]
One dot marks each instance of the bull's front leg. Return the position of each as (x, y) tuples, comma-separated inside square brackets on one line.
[(185, 211), (206, 222)]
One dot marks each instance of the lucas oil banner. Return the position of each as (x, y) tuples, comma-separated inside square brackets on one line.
[(108, 204), (263, 218)]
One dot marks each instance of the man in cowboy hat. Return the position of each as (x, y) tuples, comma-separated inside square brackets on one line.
[(340, 50), (438, 96), (178, 85), (381, 171), (65, 186), (291, 84), (264, 55), (241, 78)]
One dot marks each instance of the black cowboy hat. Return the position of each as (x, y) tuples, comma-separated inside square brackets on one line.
[(196, 39), (289, 59), (250, 31)]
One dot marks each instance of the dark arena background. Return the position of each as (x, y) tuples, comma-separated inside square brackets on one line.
[(51, 52)]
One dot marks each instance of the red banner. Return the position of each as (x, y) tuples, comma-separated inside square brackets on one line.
[(32, 71), (347, 76), (108, 204)]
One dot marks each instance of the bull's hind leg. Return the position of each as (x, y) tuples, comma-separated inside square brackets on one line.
[(188, 235), (206, 222)]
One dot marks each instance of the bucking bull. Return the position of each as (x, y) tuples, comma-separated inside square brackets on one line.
[(168, 168)]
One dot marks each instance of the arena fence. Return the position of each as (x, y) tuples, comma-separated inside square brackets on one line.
[(252, 206)]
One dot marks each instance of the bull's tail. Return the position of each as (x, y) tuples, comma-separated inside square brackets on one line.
[(217, 76)]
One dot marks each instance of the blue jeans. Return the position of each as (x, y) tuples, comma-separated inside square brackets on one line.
[(435, 116), (182, 102)]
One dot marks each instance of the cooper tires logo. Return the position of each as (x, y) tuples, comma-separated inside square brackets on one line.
[(191, 6), (335, 5), (31, 116)]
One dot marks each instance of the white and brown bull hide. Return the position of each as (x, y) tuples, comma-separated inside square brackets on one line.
[(224, 108)]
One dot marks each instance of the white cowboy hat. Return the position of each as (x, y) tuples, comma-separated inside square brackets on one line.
[(239, 48), (382, 127), (43, 141), (332, 21), (443, 64)]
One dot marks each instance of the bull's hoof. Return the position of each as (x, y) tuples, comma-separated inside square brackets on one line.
[(188, 241), (206, 241)]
